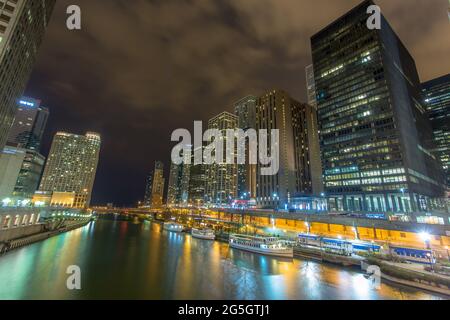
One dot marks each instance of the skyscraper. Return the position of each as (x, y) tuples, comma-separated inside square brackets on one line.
[(173, 193), (300, 170), (20, 183), (178, 189), (245, 110), (436, 94), (29, 175), (11, 160), (70, 170), (29, 124), (221, 185), (311, 86), (148, 190), (22, 28), (197, 184), (375, 134), (158, 184)]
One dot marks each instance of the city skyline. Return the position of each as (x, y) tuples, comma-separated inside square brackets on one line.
[(309, 147), (134, 130)]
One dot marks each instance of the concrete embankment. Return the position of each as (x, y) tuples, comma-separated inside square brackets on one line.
[(18, 237), (415, 279)]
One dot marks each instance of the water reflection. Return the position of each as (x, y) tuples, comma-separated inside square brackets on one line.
[(121, 260)]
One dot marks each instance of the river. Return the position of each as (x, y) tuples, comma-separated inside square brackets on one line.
[(122, 260)]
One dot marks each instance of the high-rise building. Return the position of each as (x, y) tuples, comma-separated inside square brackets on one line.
[(21, 170), (245, 110), (29, 124), (221, 185), (22, 28), (158, 184), (375, 133), (26, 133), (29, 175), (436, 94), (70, 170), (178, 189), (173, 189), (148, 190), (11, 160), (311, 86), (197, 185), (299, 156)]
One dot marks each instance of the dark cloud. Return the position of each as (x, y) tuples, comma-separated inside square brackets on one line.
[(139, 69)]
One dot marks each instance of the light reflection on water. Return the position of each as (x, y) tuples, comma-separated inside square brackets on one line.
[(120, 260)]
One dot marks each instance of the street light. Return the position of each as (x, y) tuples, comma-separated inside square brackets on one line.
[(6, 202), (425, 236)]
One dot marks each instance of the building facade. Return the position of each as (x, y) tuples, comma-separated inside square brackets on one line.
[(22, 27), (29, 175), (158, 184), (245, 110), (21, 171), (29, 124), (375, 134), (11, 160), (148, 190), (70, 170), (436, 94), (178, 188), (310, 86), (221, 187), (299, 163), (197, 185)]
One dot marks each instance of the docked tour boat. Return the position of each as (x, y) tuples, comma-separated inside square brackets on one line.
[(172, 226), (270, 246), (206, 234)]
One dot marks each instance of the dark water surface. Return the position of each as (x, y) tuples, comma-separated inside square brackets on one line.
[(121, 260)]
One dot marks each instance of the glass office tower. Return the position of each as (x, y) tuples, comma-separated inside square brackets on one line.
[(375, 133), (436, 94)]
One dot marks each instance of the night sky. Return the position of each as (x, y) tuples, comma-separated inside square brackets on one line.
[(140, 69)]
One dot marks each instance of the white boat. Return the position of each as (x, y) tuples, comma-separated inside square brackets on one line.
[(206, 234), (269, 246), (172, 226)]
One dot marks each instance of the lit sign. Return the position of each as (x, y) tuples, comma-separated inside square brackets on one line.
[(26, 103)]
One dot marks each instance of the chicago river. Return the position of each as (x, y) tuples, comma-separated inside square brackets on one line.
[(122, 260)]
